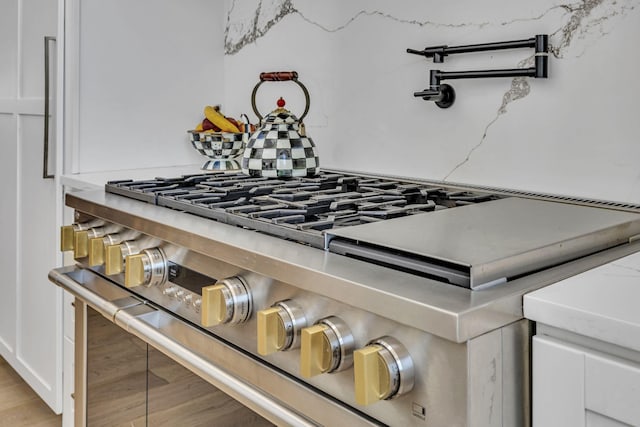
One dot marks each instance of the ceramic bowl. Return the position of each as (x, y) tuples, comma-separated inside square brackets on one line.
[(219, 147)]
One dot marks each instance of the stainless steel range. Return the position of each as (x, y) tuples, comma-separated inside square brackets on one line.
[(342, 298)]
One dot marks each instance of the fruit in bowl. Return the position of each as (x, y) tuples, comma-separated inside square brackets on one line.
[(215, 121), (220, 139)]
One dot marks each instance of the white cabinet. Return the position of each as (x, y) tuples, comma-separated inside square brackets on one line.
[(577, 386), (586, 351), (558, 384), (30, 308)]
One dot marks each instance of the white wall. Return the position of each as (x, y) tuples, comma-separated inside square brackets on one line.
[(575, 133), (147, 69)]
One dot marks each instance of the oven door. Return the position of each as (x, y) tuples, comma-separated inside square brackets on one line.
[(140, 363)]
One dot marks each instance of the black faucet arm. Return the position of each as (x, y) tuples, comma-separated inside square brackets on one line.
[(539, 43)]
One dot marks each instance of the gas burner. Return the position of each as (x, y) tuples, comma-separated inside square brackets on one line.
[(300, 209)]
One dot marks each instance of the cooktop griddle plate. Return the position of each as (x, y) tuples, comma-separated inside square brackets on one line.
[(481, 244)]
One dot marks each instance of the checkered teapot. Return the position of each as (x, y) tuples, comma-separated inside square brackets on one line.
[(280, 148)]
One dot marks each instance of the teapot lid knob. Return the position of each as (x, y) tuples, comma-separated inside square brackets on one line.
[(281, 103)]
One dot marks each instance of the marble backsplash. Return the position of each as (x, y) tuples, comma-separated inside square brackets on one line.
[(575, 133)]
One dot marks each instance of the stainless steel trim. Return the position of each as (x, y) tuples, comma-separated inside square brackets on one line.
[(450, 312), (247, 380), (294, 321), (66, 278), (155, 267), (460, 277), (240, 300), (45, 164), (129, 247), (81, 226), (342, 342)]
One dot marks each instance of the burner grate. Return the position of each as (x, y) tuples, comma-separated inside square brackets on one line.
[(300, 209)]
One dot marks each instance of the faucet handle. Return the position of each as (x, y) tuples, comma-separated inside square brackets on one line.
[(436, 52), (443, 95)]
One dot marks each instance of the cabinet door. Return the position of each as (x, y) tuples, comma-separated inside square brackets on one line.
[(558, 384), (30, 307), (576, 386), (612, 390)]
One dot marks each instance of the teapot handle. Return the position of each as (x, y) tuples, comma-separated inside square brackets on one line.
[(280, 76)]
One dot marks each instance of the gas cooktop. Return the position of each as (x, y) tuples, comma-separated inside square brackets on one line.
[(410, 226), (301, 209)]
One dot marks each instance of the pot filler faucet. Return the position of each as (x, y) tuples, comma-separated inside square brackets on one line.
[(444, 95)]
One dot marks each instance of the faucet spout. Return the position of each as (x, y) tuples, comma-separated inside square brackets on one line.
[(444, 95)]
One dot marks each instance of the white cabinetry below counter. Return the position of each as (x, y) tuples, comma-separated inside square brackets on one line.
[(30, 308), (586, 351)]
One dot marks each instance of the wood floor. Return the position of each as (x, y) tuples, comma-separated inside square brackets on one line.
[(19, 405)]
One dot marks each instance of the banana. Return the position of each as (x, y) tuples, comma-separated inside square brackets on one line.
[(219, 120)]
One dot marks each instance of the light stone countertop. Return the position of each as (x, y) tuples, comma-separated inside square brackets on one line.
[(603, 303)]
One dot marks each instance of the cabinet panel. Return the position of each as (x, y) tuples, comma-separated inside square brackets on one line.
[(8, 235), (67, 386), (36, 22), (30, 307), (558, 384), (612, 388), (578, 386), (8, 47), (39, 316), (68, 312)]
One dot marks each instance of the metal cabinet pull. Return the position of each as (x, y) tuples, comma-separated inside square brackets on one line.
[(45, 165)]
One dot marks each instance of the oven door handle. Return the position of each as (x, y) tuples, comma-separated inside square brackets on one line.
[(102, 296), (113, 302)]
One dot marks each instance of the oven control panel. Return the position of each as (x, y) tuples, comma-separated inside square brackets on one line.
[(358, 357)]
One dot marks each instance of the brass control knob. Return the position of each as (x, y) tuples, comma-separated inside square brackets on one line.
[(97, 247), (279, 327), (228, 301), (80, 244), (81, 240), (114, 256), (96, 251), (67, 233), (148, 268), (383, 370), (326, 346), (66, 237)]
